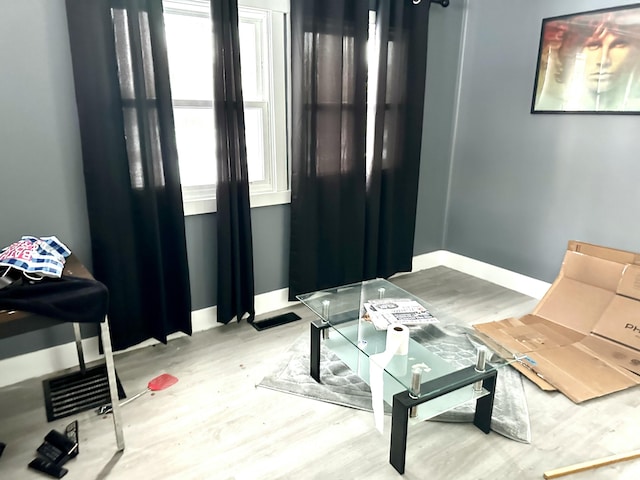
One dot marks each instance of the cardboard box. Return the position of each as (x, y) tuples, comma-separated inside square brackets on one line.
[(583, 337)]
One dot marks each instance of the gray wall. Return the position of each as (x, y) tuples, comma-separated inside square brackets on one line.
[(270, 249), (445, 28), (41, 183), (523, 185)]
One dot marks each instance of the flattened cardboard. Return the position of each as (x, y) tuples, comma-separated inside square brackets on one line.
[(598, 272), (620, 322), (530, 333), (496, 331), (536, 378), (619, 354), (580, 373), (581, 293), (630, 282), (581, 337)]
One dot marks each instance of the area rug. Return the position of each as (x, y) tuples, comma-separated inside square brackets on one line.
[(341, 386)]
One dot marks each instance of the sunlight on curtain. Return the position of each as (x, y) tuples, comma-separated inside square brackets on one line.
[(139, 101), (373, 54)]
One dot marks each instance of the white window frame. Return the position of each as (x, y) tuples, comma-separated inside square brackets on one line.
[(275, 189)]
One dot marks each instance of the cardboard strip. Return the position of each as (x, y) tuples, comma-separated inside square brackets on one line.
[(615, 255)]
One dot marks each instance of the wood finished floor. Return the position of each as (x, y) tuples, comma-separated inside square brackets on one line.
[(215, 424)]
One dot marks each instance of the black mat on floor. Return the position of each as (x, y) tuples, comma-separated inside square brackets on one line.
[(275, 321), (78, 392)]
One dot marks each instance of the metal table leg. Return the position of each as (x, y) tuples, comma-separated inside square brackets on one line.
[(113, 388), (78, 335)]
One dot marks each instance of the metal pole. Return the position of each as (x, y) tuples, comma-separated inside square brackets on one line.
[(113, 388), (78, 335), (416, 381), (481, 365), (325, 317)]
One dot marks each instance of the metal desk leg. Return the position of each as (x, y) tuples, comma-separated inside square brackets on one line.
[(113, 388), (78, 335)]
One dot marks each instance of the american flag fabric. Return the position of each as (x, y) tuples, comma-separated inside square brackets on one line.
[(35, 257)]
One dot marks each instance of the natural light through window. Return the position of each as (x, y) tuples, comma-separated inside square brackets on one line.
[(262, 28), (373, 50)]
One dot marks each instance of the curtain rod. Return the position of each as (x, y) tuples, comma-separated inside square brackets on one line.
[(444, 3)]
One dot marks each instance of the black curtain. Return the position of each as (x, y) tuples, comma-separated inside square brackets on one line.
[(329, 75), (130, 162), (392, 192), (235, 247), (353, 218)]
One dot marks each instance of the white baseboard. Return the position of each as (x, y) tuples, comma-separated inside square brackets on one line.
[(44, 362), (53, 359), (506, 278)]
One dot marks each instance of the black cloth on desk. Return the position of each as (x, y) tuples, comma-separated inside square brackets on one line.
[(68, 299)]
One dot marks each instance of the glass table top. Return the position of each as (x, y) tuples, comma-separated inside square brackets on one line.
[(359, 315)]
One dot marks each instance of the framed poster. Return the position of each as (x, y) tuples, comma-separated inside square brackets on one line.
[(589, 63)]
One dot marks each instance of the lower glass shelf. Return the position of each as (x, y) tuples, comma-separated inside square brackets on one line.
[(447, 402), (358, 362)]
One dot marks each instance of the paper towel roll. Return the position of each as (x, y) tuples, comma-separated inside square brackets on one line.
[(398, 339), (397, 344)]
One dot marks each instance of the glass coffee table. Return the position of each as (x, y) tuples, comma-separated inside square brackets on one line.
[(419, 382)]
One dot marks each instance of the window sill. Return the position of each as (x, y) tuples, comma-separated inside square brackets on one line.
[(202, 206)]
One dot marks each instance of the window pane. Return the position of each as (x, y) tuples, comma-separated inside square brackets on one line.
[(196, 145), (254, 130), (262, 35), (249, 60), (190, 57)]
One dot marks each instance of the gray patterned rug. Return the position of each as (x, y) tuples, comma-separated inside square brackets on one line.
[(342, 387)]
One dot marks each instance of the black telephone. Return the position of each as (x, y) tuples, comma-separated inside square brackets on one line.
[(56, 450)]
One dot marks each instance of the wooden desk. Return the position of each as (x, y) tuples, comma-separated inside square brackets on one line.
[(18, 322)]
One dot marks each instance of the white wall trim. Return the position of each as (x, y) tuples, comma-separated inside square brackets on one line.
[(54, 359), (506, 278), (44, 362)]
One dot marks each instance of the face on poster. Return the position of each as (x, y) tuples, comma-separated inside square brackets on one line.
[(589, 62)]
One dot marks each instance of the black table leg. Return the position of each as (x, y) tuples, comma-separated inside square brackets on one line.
[(403, 402), (319, 330), (399, 428), (314, 366), (484, 405)]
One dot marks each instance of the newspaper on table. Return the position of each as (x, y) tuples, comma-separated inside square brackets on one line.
[(386, 311)]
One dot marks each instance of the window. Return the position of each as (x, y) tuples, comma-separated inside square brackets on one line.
[(262, 27)]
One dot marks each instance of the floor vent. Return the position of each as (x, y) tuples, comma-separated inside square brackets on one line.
[(77, 392), (275, 321)]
